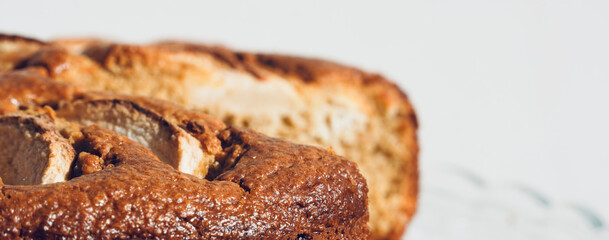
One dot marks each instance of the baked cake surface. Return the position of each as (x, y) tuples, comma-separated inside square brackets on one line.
[(115, 187), (361, 116)]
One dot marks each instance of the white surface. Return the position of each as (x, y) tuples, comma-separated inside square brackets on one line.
[(459, 204), (516, 91)]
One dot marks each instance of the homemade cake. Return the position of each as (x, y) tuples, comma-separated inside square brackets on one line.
[(67, 177), (359, 115)]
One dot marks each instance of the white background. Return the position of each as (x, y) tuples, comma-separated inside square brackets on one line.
[(515, 91)]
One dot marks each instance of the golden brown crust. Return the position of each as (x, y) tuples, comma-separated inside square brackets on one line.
[(17, 38), (271, 189), (140, 197), (19, 89), (120, 59), (14, 50)]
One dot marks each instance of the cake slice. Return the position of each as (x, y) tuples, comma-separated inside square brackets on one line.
[(68, 177), (359, 115)]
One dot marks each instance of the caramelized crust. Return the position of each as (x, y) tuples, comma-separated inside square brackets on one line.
[(20, 89), (265, 188), (386, 150), (275, 190)]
